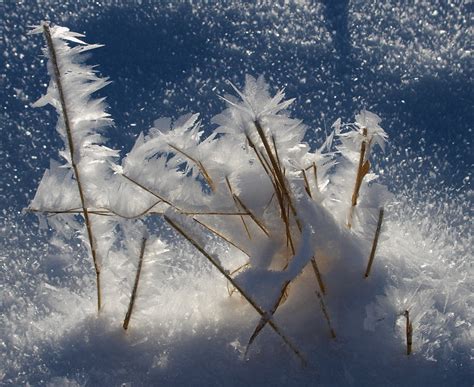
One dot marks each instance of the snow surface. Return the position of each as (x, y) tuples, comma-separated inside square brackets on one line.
[(187, 330)]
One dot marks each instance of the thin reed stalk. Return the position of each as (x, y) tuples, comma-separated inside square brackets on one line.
[(306, 184), (315, 174), (126, 321), (236, 204), (326, 314), (200, 166), (71, 145), (222, 236), (158, 196), (408, 332), (263, 321), (319, 278), (231, 291), (258, 222), (274, 160), (374, 243), (362, 170), (244, 294), (277, 180), (109, 212)]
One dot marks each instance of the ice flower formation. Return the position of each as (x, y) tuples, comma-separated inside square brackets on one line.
[(285, 213)]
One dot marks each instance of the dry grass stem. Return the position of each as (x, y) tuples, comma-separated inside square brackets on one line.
[(222, 236), (277, 191), (263, 321), (200, 166), (306, 184), (126, 321), (67, 124), (231, 291), (374, 243), (315, 174), (362, 170), (158, 196), (318, 276), (258, 222), (264, 163), (106, 212), (326, 314), (244, 294), (408, 332), (237, 206)]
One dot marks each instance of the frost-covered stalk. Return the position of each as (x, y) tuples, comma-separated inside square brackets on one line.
[(67, 124), (81, 119), (357, 145), (239, 288)]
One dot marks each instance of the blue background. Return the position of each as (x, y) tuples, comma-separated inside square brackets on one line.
[(334, 57)]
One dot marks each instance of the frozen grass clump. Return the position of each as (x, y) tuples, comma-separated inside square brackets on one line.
[(284, 212)]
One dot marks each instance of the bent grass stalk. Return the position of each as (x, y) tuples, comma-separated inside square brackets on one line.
[(67, 124), (126, 321), (244, 294)]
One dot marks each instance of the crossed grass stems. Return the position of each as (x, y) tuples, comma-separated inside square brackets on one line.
[(271, 164)]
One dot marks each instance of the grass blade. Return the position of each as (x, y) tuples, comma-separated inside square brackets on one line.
[(374, 243), (126, 321)]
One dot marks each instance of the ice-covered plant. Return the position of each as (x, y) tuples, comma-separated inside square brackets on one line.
[(252, 182)]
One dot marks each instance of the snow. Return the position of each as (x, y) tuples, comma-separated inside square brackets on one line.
[(186, 329)]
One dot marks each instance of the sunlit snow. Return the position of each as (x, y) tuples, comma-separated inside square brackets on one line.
[(409, 64)]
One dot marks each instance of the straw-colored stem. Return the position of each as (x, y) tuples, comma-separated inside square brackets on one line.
[(408, 332), (280, 182), (107, 212), (67, 124), (200, 166), (158, 196), (263, 162), (362, 170), (263, 321), (317, 273), (252, 215), (237, 206), (126, 321), (277, 190), (231, 291), (306, 184), (244, 294), (222, 236), (315, 174), (326, 314), (374, 243), (277, 170)]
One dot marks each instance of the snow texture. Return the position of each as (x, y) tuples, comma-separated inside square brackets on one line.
[(185, 326)]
